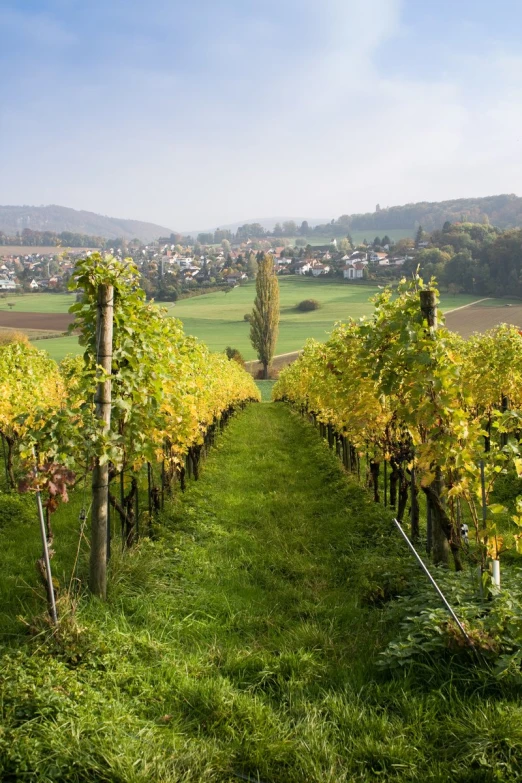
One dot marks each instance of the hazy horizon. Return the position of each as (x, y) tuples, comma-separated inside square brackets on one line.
[(194, 116)]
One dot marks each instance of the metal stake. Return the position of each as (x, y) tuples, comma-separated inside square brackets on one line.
[(47, 561), (433, 582)]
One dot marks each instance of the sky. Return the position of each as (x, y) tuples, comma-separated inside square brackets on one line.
[(202, 113)]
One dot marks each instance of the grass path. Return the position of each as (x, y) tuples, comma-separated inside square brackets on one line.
[(238, 646)]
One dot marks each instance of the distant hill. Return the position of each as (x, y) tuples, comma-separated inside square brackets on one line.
[(58, 219), (503, 211)]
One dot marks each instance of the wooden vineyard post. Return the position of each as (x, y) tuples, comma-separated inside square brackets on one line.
[(504, 407), (428, 302), (441, 549), (5, 463), (109, 532), (429, 527), (100, 476), (122, 503), (414, 506), (137, 508), (149, 491)]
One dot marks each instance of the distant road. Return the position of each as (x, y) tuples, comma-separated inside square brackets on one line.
[(278, 362)]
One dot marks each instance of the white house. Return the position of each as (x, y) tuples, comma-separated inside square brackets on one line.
[(353, 271), (33, 285), (379, 258), (303, 267), (320, 269), (358, 255), (7, 285)]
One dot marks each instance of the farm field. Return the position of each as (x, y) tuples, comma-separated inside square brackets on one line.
[(218, 318), (57, 322), (58, 347), (37, 303), (485, 315), (359, 236)]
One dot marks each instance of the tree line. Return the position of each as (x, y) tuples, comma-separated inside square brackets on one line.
[(30, 238), (504, 211), (471, 258)]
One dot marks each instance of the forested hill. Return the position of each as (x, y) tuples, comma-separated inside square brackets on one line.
[(57, 219), (504, 211)]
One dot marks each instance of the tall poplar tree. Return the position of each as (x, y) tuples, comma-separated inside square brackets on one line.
[(264, 321)]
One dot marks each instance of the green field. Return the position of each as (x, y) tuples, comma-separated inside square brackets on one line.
[(38, 303), (217, 318), (58, 347), (359, 236)]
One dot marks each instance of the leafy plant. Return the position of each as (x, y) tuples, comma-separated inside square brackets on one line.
[(307, 305)]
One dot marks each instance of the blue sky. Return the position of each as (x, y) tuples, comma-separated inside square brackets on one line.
[(195, 114)]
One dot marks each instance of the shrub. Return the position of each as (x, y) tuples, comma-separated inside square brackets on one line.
[(12, 336), (16, 509), (308, 304), (235, 355), (247, 317), (426, 634)]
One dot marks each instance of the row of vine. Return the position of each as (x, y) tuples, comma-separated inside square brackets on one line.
[(169, 394), (442, 413)]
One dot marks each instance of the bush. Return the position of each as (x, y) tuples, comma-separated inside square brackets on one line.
[(308, 304), (426, 634), (17, 509), (12, 336), (247, 317), (235, 355)]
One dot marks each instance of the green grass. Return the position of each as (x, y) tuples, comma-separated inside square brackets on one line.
[(359, 236), (38, 303), (217, 318), (238, 643), (58, 347), (265, 387)]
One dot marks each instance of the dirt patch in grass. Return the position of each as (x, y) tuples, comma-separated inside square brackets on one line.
[(54, 322), (278, 364), (480, 318)]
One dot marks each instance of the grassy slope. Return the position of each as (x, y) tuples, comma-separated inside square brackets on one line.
[(265, 387), (39, 303), (58, 347), (359, 236), (217, 318), (237, 644)]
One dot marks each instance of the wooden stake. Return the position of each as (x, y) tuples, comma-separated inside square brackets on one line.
[(428, 303), (440, 542), (100, 476)]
